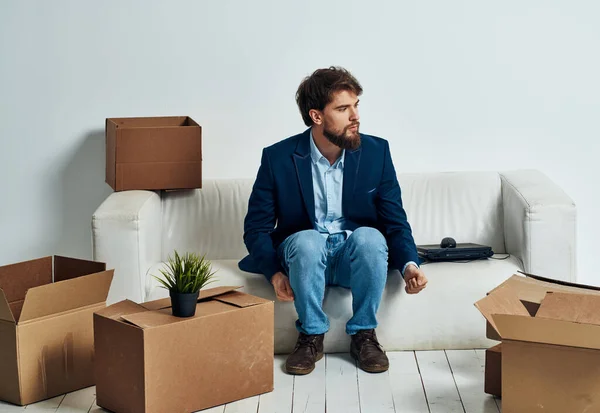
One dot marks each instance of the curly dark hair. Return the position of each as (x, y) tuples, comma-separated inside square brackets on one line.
[(317, 90)]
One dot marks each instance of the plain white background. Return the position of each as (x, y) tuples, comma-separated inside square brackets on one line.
[(453, 85)]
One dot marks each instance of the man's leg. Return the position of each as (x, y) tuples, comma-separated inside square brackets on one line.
[(361, 265), (304, 258)]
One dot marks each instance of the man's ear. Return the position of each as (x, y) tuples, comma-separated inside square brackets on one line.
[(316, 116)]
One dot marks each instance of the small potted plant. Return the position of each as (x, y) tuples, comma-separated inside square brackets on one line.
[(184, 276)]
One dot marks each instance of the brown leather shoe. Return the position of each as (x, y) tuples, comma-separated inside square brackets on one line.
[(308, 350), (367, 351)]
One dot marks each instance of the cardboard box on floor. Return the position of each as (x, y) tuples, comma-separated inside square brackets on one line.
[(153, 153), (493, 371), (46, 321), (550, 344), (148, 361)]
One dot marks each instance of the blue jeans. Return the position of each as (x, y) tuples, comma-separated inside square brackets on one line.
[(313, 262)]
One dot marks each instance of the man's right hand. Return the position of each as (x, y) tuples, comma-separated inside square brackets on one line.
[(283, 289)]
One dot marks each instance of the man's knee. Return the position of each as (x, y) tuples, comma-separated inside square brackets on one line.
[(368, 241), (306, 247)]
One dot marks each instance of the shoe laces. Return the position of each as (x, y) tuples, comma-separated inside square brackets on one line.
[(367, 338), (308, 340)]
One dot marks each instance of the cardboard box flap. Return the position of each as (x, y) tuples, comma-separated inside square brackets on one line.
[(149, 122), (547, 331), (121, 308), (502, 300), (204, 295), (66, 295), (16, 279), (162, 317), (157, 304), (68, 268), (240, 299), (533, 290), (213, 292), (16, 307), (560, 282), (149, 319), (5, 313), (578, 308)]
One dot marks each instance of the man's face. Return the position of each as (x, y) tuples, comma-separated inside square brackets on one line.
[(341, 120)]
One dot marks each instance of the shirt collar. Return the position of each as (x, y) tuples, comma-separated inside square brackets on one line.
[(316, 155)]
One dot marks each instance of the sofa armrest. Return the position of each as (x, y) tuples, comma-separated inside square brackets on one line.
[(539, 224), (126, 235)]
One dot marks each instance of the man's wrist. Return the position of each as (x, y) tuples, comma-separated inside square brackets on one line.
[(407, 265)]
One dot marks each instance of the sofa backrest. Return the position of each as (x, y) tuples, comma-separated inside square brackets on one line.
[(464, 205)]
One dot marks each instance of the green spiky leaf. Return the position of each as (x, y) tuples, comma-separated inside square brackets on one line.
[(186, 273)]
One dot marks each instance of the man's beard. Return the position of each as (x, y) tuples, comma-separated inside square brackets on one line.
[(346, 139)]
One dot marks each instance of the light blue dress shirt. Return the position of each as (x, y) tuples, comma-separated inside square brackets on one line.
[(328, 181)]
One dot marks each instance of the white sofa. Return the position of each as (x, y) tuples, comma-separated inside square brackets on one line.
[(521, 213)]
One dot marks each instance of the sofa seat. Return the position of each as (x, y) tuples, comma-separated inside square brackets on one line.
[(440, 317)]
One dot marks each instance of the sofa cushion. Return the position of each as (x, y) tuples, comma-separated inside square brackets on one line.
[(464, 205), (441, 317)]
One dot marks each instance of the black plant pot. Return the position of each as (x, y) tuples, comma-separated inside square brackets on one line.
[(184, 304)]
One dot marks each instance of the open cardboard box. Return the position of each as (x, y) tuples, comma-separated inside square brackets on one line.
[(551, 358), (148, 361), (153, 153), (46, 321)]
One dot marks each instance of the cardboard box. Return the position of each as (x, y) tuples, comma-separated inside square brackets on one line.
[(532, 289), (153, 153), (550, 360), (46, 321), (493, 371), (148, 361)]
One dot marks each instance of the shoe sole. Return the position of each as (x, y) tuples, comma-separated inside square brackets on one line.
[(370, 369), (300, 372)]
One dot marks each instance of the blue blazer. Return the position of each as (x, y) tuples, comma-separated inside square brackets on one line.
[(282, 200)]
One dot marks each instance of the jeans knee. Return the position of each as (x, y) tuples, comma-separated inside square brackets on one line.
[(307, 248), (368, 241)]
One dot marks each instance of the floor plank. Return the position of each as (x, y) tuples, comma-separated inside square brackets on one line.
[(96, 409), (216, 409), (341, 384), (10, 408), (447, 380), (375, 393), (45, 406), (280, 399), (309, 391), (438, 382), (469, 377), (248, 405), (481, 356), (78, 401), (406, 384)]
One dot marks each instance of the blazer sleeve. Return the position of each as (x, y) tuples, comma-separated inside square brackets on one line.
[(391, 215), (260, 221)]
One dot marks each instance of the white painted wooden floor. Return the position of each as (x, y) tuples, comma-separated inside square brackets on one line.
[(417, 382)]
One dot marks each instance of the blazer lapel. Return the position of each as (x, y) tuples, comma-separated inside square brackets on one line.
[(351, 163), (303, 165)]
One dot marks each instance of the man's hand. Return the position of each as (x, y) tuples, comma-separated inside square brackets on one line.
[(283, 289), (415, 280)]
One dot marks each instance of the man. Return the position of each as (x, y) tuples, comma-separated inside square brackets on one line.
[(326, 210)]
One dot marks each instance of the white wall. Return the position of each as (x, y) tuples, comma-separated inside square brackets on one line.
[(453, 85)]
